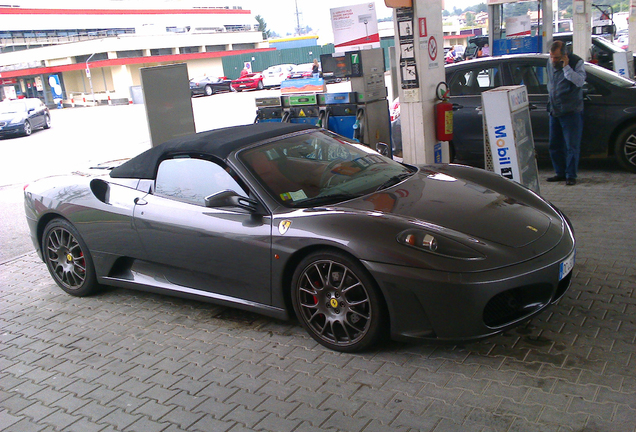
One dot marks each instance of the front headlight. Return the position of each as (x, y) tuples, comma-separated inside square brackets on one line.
[(437, 245)]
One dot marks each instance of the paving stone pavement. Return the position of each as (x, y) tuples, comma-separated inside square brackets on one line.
[(130, 361)]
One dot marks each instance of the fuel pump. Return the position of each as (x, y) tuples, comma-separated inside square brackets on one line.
[(302, 108), (369, 123), (268, 110), (338, 112)]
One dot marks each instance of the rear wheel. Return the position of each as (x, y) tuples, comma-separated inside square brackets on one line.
[(68, 259), (338, 302), (260, 85), (625, 148), (28, 130)]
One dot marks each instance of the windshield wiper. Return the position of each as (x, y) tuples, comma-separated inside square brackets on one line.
[(394, 180), (327, 199)]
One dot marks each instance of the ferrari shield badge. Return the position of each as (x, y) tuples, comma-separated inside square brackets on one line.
[(283, 226)]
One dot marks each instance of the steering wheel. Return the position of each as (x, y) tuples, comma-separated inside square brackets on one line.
[(327, 175)]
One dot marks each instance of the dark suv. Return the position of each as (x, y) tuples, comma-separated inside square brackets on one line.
[(601, 52)]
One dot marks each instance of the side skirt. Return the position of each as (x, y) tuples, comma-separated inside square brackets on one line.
[(156, 285)]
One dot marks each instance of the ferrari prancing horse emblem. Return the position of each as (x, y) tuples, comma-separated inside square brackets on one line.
[(283, 226)]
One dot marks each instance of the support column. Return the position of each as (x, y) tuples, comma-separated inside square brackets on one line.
[(632, 27), (582, 20), (419, 46), (494, 25), (547, 23)]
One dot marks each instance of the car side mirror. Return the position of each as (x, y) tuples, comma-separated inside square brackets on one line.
[(383, 149), (229, 198)]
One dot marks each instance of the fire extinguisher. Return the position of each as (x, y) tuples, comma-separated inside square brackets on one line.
[(443, 114)]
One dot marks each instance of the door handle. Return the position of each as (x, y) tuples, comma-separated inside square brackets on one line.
[(140, 201), (479, 110), (532, 107), (457, 107)]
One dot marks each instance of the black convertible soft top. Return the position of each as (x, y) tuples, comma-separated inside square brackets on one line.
[(217, 142)]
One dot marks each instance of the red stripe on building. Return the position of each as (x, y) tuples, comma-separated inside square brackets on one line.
[(203, 11), (127, 61)]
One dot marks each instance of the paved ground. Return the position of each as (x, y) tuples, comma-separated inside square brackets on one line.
[(130, 361)]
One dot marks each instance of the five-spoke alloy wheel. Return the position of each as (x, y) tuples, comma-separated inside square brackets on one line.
[(28, 130), (625, 148), (337, 302), (68, 259)]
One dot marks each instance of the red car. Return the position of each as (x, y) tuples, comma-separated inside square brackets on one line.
[(249, 81)]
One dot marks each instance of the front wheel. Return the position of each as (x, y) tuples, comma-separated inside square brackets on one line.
[(625, 148), (260, 85), (47, 122), (208, 90), (28, 130), (68, 259), (338, 302)]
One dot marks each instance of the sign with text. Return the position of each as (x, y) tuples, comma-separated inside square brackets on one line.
[(355, 27)]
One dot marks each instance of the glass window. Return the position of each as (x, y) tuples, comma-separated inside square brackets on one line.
[(191, 180), (534, 77), (319, 168), (475, 81)]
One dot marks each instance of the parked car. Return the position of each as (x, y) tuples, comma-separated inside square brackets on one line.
[(23, 116), (609, 113), (282, 218), (601, 51), (475, 44), (251, 81), (273, 76), (209, 85), (302, 71)]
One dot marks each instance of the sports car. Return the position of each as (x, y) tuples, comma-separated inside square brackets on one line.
[(291, 219), (209, 85), (252, 81)]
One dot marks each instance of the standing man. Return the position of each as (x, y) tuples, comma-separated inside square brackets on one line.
[(566, 76)]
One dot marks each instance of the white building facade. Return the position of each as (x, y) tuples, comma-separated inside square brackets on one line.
[(100, 51)]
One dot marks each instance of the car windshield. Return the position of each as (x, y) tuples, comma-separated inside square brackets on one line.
[(609, 76), (12, 107), (321, 168)]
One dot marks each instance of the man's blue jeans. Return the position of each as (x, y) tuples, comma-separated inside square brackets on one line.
[(565, 143)]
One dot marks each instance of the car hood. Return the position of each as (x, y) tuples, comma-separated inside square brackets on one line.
[(463, 206), (10, 116)]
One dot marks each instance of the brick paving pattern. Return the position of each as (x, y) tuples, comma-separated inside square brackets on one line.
[(130, 361)]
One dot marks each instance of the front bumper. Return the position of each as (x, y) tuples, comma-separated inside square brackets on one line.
[(245, 86), (15, 129), (459, 307)]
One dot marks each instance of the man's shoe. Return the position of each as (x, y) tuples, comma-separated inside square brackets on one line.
[(570, 182), (556, 178)]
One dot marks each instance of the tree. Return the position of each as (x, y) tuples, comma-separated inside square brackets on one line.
[(470, 19), (262, 27)]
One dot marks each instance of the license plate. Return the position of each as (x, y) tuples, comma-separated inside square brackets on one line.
[(566, 266)]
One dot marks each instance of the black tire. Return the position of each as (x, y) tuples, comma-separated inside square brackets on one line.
[(47, 122), (209, 91), (625, 148), (28, 130), (338, 302), (259, 86), (68, 259)]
